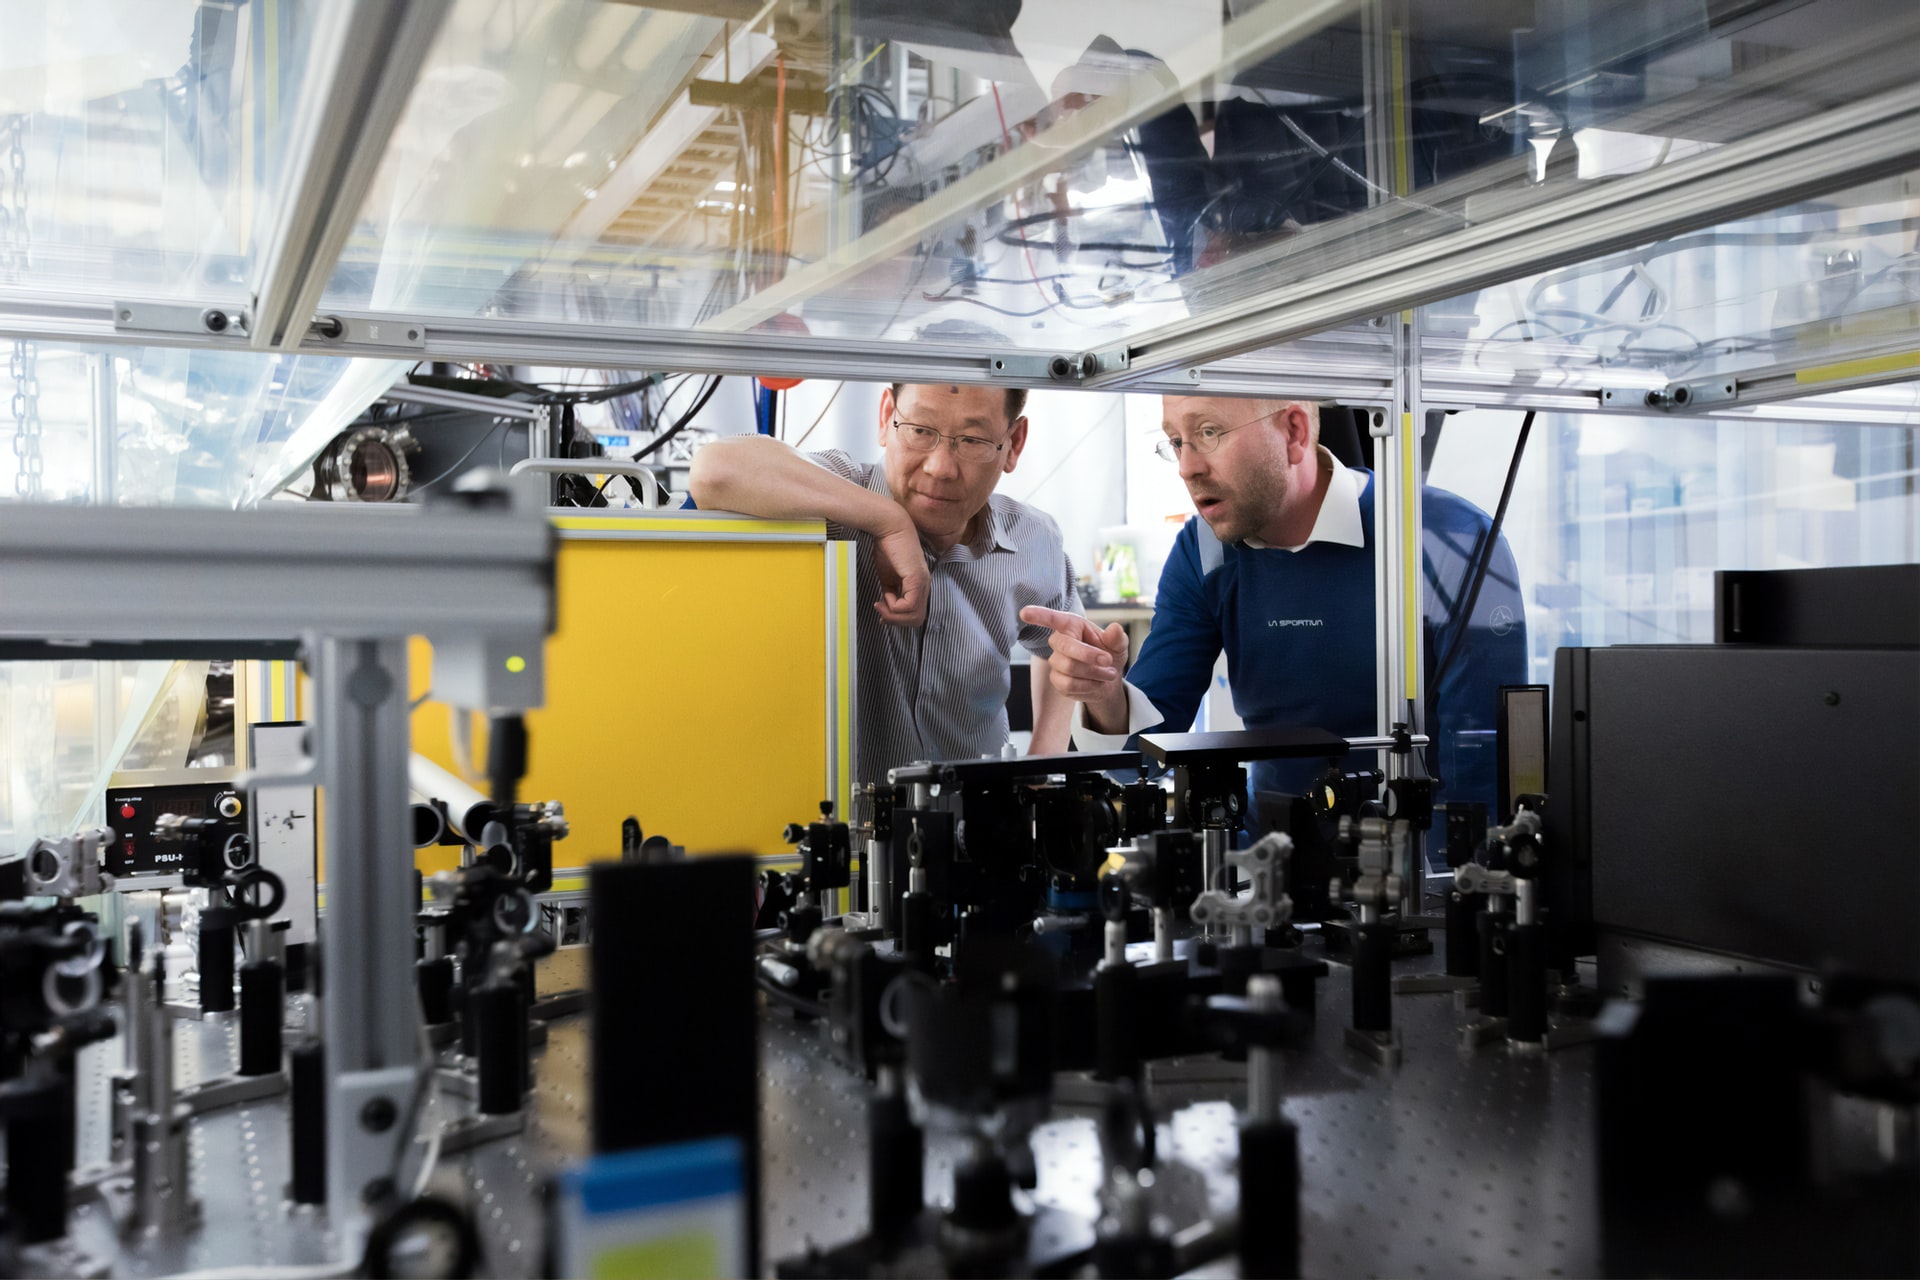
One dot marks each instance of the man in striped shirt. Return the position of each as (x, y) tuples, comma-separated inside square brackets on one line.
[(946, 563)]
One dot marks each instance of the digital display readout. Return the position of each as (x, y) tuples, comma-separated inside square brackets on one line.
[(133, 813)]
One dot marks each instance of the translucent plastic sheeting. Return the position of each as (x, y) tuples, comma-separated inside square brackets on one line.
[(177, 426), (138, 139), (1058, 175), (1806, 286), (66, 726)]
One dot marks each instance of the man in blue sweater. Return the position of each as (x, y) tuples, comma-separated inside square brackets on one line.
[(1278, 571)]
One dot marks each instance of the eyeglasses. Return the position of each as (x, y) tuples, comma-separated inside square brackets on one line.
[(1205, 438), (918, 439)]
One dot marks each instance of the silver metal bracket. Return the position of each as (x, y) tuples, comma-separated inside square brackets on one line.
[(1675, 396), (1410, 984), (1482, 1032), (398, 332), (458, 1079), (1382, 1046), (1062, 368), (466, 1132), (363, 1113), (168, 317), (227, 1091), (69, 867)]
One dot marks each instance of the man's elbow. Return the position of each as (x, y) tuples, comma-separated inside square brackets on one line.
[(710, 479)]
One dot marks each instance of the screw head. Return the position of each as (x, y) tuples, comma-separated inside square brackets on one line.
[(1833, 697), (378, 1115)]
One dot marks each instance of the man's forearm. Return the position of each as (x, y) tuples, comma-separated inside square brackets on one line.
[(1107, 713), (1052, 711), (760, 476)]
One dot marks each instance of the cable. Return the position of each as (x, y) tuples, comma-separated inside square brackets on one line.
[(822, 416), (713, 385), (1486, 557), (980, 302), (1006, 138)]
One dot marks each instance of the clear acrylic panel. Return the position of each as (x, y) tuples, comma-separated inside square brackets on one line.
[(1504, 108), (140, 141), (1804, 287), (166, 426), (1617, 523), (609, 163), (1053, 175)]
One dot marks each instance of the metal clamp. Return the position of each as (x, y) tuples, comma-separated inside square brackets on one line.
[(1378, 842), (164, 317), (69, 867), (1267, 906), (1062, 367), (1673, 396)]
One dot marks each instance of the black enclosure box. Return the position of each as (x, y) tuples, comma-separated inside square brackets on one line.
[(1869, 605), (1758, 802), (675, 1009)]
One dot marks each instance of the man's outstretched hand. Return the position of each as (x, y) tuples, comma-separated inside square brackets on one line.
[(1087, 665)]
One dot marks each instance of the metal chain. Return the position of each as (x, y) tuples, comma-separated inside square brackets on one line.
[(26, 420), (15, 244), (13, 200)]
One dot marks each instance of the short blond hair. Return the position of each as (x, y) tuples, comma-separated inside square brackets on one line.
[(1313, 415)]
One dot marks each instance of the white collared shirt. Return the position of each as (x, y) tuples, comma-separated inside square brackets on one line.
[(1338, 522), (1339, 518)]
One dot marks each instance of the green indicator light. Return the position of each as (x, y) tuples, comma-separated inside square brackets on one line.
[(516, 664)]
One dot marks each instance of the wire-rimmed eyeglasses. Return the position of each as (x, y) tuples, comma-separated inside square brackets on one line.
[(918, 439)]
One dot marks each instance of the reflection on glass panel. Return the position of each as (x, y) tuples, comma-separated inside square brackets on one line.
[(1618, 523), (139, 140), (613, 163), (60, 725), (1805, 285), (160, 426), (1506, 107), (1052, 174)]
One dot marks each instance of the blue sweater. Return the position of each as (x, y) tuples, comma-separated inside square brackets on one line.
[(1298, 630)]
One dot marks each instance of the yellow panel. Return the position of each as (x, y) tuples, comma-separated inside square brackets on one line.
[(686, 686), (1865, 368)]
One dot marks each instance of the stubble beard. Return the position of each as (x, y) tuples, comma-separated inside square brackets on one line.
[(1254, 501)]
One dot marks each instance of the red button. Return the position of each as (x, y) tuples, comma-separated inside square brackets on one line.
[(126, 811)]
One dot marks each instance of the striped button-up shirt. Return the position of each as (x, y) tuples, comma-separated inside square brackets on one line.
[(939, 691)]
